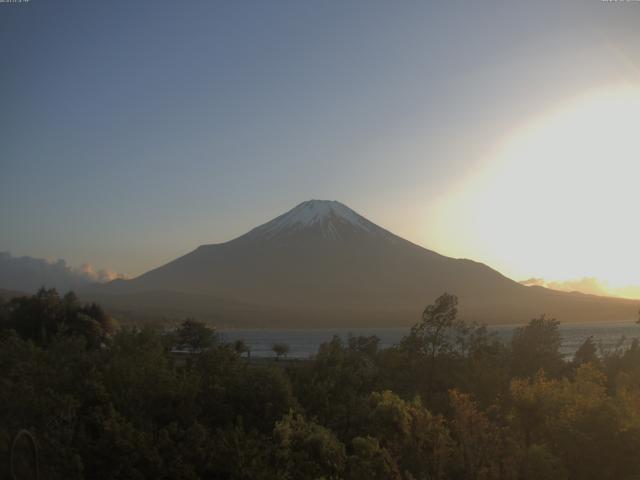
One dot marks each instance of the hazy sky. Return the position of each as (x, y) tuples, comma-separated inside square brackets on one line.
[(131, 132)]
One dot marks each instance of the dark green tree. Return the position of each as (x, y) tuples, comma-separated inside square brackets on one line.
[(240, 346), (195, 336), (436, 333), (261, 396), (44, 316), (369, 460), (435, 347), (307, 451), (334, 385), (536, 346), (586, 353), (280, 349)]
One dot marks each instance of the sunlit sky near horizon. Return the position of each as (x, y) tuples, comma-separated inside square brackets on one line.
[(132, 132)]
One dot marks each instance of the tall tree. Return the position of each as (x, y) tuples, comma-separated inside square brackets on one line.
[(536, 346), (196, 336)]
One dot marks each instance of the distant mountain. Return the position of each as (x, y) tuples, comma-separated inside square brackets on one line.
[(6, 295), (323, 264)]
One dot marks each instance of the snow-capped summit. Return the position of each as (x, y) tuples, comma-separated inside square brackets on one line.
[(329, 218), (315, 211)]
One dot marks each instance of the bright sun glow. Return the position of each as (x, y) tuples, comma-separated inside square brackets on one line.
[(559, 198)]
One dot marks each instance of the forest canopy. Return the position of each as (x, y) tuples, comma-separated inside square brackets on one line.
[(450, 401)]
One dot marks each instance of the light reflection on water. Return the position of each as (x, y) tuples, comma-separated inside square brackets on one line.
[(304, 343)]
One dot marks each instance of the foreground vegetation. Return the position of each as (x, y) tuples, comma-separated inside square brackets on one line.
[(449, 402)]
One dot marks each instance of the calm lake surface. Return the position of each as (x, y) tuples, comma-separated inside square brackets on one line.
[(304, 343)]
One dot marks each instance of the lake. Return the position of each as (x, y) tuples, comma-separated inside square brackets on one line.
[(305, 342)]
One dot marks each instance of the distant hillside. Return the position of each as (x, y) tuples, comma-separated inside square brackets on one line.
[(9, 294), (323, 264)]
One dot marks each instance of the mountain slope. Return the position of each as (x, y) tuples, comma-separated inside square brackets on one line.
[(322, 263)]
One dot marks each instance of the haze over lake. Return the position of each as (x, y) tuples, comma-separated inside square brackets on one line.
[(305, 343)]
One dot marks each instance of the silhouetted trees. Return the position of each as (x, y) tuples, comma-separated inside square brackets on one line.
[(241, 347), (449, 402), (280, 349), (45, 315), (195, 336), (437, 332), (586, 353), (535, 347)]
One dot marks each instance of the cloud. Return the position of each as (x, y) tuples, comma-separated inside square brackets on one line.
[(27, 274), (588, 285), (100, 276)]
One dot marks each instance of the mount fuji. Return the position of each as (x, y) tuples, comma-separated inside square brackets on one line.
[(323, 264)]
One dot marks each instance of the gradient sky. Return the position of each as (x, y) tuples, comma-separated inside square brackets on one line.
[(131, 132)]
